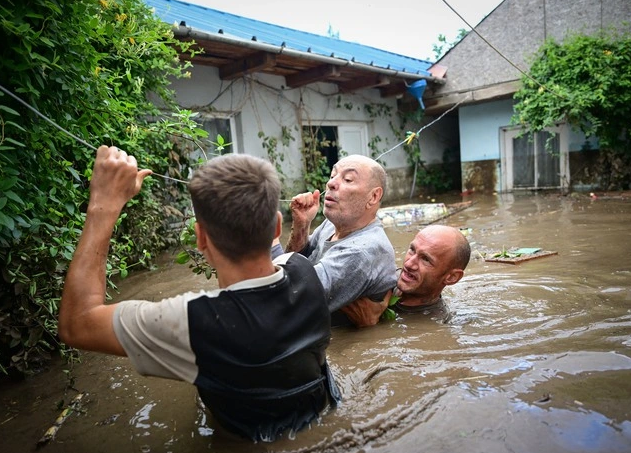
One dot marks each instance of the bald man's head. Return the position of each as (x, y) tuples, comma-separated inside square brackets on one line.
[(354, 193), (374, 169), (436, 258), (454, 240)]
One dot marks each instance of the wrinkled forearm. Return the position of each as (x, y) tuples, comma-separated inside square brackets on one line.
[(298, 238)]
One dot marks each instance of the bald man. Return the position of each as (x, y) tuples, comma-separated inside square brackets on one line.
[(350, 250), (437, 257)]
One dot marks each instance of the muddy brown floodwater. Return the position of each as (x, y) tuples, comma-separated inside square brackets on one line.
[(537, 357)]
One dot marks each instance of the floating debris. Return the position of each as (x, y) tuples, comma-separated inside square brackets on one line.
[(420, 214), (52, 431), (546, 398), (518, 255)]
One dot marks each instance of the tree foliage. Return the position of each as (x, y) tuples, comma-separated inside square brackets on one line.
[(97, 69), (443, 46), (586, 82)]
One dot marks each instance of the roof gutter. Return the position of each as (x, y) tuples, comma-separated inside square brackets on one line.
[(188, 32)]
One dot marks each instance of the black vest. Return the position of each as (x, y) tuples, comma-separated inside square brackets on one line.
[(261, 353)]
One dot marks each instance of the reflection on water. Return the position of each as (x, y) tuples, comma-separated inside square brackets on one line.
[(537, 356)]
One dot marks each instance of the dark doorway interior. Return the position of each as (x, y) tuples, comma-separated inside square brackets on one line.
[(325, 141)]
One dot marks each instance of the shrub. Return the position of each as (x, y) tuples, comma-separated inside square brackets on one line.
[(93, 68)]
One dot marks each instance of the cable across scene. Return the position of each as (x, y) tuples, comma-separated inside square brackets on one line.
[(508, 60), (67, 132)]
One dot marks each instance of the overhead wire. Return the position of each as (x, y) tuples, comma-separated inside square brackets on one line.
[(417, 133), (508, 60)]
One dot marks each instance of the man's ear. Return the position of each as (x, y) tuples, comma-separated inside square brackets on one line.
[(454, 276), (279, 225), (202, 239), (375, 196), (204, 244)]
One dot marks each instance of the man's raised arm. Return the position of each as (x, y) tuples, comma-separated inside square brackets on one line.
[(304, 208), (84, 320)]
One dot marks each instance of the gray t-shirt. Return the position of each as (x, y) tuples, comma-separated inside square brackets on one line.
[(360, 265)]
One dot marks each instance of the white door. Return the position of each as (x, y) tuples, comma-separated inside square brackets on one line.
[(538, 161), (353, 139)]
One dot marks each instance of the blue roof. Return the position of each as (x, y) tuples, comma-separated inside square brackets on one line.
[(211, 21)]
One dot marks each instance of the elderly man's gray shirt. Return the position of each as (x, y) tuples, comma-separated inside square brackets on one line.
[(361, 264)]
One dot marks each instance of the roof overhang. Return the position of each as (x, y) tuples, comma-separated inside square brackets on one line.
[(236, 57), (438, 102)]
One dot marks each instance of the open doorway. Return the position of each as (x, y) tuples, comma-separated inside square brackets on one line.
[(334, 141), (325, 144), (324, 140)]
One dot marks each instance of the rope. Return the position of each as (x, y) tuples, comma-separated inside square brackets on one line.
[(67, 132), (416, 134)]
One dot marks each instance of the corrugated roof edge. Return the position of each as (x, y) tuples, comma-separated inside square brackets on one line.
[(201, 21)]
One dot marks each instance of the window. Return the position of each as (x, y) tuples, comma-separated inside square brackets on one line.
[(538, 161), (215, 126)]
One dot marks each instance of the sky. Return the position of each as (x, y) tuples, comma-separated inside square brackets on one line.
[(406, 27)]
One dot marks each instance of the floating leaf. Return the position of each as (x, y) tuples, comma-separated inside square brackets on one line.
[(389, 314), (182, 258)]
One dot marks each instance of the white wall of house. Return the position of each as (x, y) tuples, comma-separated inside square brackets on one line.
[(262, 103)]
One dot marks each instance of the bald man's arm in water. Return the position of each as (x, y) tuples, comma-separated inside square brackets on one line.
[(85, 321)]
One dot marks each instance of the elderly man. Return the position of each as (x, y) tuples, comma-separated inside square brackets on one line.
[(437, 257), (350, 251)]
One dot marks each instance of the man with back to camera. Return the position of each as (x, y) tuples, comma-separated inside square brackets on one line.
[(350, 250), (255, 347)]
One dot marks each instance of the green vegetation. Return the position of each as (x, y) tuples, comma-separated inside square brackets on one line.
[(389, 314), (90, 67), (270, 144), (586, 82), (433, 178), (443, 46)]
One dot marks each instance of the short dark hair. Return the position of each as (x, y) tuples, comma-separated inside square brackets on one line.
[(236, 200)]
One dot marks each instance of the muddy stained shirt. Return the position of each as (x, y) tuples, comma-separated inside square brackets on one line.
[(255, 350), (361, 264), (438, 311)]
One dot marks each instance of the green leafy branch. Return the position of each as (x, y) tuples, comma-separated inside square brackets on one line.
[(389, 314)]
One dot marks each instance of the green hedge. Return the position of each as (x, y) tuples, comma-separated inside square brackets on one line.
[(92, 67), (586, 82)]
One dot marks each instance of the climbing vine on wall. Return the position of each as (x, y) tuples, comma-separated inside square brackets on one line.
[(270, 144), (586, 82)]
